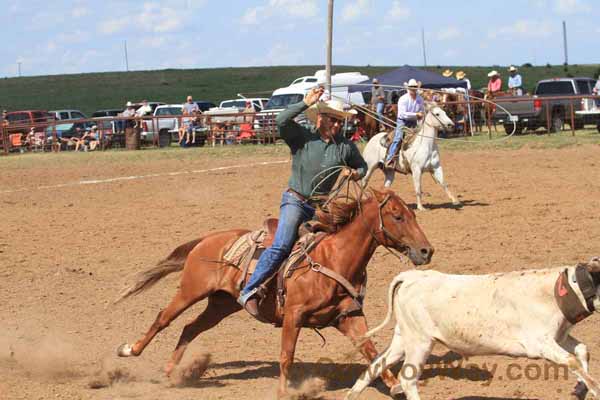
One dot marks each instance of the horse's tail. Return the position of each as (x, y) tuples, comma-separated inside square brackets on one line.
[(392, 290), (173, 263)]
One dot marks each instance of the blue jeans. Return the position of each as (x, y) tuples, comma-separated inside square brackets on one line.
[(380, 109), (292, 213), (399, 135)]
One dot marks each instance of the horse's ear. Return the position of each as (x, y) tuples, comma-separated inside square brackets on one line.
[(429, 105)]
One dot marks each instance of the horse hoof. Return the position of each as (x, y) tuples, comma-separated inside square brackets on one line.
[(580, 391), (396, 390), (125, 350)]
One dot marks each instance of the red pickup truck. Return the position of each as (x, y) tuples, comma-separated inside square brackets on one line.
[(23, 121)]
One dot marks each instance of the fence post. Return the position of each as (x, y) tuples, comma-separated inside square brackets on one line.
[(548, 121), (572, 120), (55, 142), (4, 138)]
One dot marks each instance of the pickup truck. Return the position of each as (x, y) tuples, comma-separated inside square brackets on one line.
[(228, 109), (167, 128), (533, 113)]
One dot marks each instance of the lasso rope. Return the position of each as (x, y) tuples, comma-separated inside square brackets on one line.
[(392, 124)]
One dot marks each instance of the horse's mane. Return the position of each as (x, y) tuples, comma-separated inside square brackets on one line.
[(337, 213)]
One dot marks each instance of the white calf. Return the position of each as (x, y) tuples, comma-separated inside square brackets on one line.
[(519, 314)]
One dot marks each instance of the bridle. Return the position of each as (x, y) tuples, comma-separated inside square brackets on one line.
[(383, 231)]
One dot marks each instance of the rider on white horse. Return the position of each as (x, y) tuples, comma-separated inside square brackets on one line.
[(410, 110)]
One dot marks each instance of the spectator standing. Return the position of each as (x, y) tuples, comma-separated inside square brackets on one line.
[(495, 83), (596, 91), (462, 76), (246, 131), (128, 113), (378, 97), (515, 82)]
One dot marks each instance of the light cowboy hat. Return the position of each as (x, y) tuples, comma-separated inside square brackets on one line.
[(447, 73), (460, 75), (493, 73), (375, 80), (412, 84), (512, 68), (129, 104), (334, 108)]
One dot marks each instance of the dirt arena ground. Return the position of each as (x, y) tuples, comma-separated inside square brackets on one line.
[(66, 250)]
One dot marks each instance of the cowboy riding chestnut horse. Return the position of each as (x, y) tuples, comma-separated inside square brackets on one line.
[(326, 286)]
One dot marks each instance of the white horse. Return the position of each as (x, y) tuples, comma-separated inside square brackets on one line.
[(422, 155)]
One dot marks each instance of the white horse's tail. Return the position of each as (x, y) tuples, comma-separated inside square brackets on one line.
[(391, 291)]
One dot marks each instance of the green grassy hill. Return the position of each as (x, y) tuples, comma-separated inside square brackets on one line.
[(89, 92)]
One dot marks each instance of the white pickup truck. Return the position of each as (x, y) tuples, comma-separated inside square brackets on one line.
[(168, 128), (228, 108)]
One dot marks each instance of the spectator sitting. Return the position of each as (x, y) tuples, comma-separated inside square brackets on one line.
[(515, 82), (91, 139), (495, 83)]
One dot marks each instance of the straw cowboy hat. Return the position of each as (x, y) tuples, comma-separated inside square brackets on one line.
[(512, 69), (493, 73), (460, 75), (447, 73), (412, 83), (129, 104), (334, 108)]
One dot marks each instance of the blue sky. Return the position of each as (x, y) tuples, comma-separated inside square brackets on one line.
[(87, 36)]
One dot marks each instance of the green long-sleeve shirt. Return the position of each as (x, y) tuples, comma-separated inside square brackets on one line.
[(312, 156)]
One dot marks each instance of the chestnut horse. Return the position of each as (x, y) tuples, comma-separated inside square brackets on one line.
[(313, 299)]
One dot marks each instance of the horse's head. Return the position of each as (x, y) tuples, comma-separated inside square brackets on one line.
[(437, 118), (398, 228)]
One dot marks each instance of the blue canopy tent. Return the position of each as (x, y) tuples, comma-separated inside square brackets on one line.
[(399, 76)]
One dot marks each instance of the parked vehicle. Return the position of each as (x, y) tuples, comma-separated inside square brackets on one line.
[(166, 128), (295, 92), (534, 112), (67, 114), (23, 121), (205, 105), (112, 112), (235, 106), (105, 121)]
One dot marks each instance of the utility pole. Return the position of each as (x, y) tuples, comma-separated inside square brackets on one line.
[(565, 42), (329, 45), (126, 59), (423, 44), (19, 67)]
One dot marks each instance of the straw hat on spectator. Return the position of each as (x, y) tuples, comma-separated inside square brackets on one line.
[(512, 69), (334, 108), (129, 104), (493, 73), (447, 73), (460, 75)]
